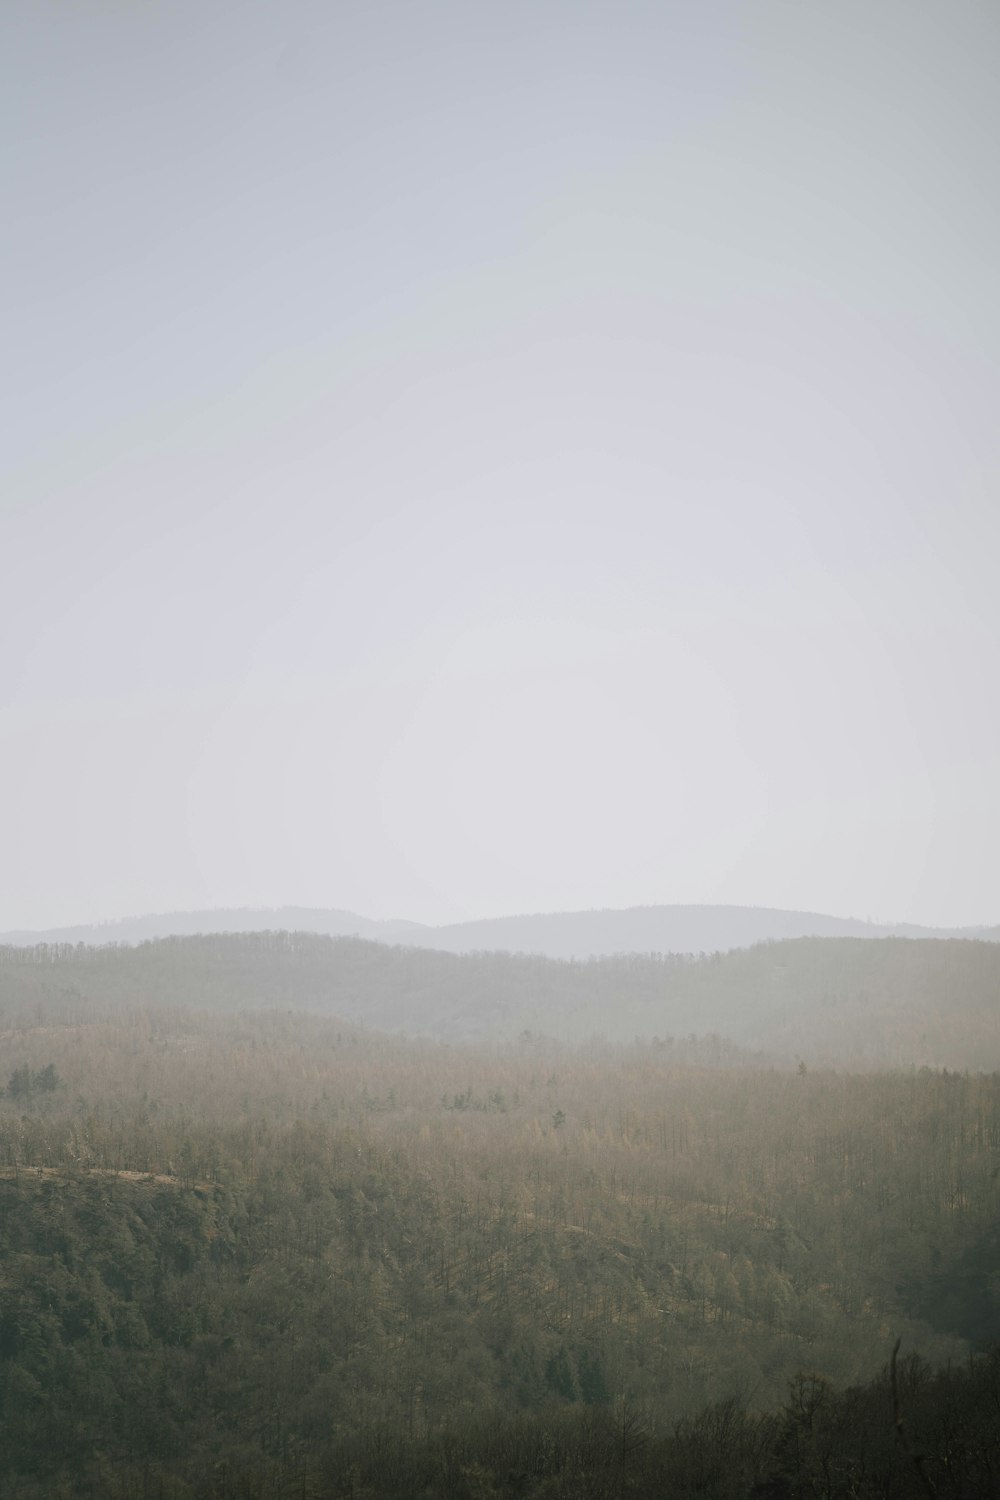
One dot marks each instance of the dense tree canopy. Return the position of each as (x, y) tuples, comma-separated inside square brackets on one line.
[(264, 1252)]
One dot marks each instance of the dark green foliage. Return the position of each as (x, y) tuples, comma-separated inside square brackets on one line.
[(559, 1375), (590, 1377), (21, 1084), (24, 1083), (961, 1293)]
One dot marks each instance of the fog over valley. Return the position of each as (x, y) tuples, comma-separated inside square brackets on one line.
[(499, 903)]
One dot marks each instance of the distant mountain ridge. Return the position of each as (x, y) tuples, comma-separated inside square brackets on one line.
[(665, 929), (580, 934), (327, 922)]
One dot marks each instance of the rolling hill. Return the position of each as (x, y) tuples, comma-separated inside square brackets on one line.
[(579, 934), (842, 1002)]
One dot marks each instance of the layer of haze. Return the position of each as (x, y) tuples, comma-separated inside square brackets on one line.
[(465, 458)]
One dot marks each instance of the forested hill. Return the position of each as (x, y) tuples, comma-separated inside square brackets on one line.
[(273, 1256), (575, 934), (831, 1001)]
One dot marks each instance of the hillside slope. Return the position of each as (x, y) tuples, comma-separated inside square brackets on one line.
[(835, 1001), (243, 1255)]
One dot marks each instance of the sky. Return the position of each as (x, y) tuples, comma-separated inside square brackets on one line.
[(461, 459)]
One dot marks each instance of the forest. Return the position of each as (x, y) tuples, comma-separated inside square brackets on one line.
[(832, 1002), (286, 1216)]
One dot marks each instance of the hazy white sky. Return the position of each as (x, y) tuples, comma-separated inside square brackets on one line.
[(469, 458)]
